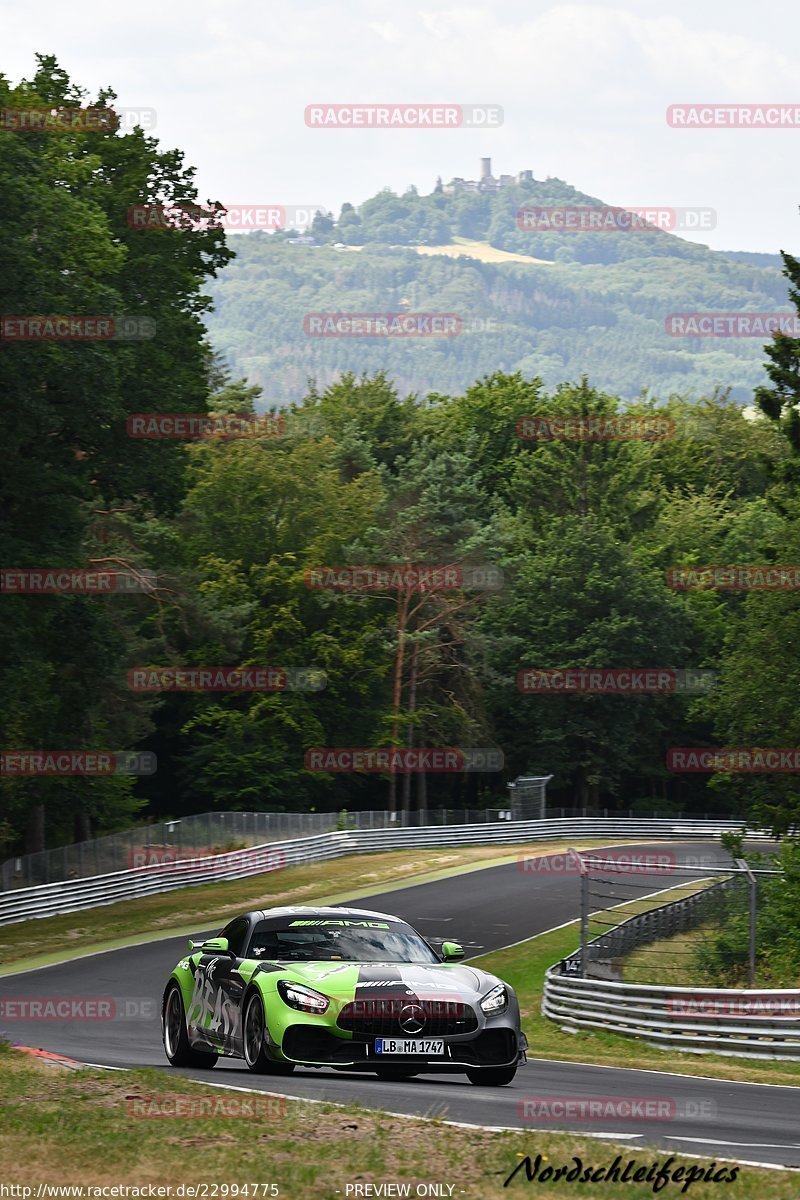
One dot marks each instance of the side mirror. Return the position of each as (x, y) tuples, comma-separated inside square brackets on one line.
[(452, 952), (217, 945)]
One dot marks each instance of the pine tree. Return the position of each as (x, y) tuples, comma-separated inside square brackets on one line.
[(781, 402)]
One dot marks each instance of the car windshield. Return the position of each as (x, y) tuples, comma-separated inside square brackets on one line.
[(332, 940)]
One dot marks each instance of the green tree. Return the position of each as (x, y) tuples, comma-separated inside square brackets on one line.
[(67, 249), (781, 401), (583, 600), (434, 514), (259, 514)]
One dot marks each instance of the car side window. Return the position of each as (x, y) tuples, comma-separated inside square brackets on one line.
[(236, 933)]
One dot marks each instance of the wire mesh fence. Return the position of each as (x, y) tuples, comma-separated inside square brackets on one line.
[(215, 832), (206, 833), (634, 902)]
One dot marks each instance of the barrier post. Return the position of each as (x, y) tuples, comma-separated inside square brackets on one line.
[(584, 907), (751, 879)]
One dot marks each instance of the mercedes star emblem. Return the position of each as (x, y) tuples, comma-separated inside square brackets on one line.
[(412, 1018)]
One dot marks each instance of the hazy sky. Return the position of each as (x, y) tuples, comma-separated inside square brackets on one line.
[(584, 89)]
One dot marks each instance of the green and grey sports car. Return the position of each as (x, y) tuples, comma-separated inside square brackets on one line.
[(342, 988)]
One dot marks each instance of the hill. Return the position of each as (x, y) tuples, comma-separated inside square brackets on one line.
[(551, 303)]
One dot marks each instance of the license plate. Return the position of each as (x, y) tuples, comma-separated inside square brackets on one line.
[(427, 1046)]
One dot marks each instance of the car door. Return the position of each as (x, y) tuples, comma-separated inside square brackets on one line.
[(214, 1017)]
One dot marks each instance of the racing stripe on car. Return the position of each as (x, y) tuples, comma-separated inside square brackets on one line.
[(380, 991), (380, 979)]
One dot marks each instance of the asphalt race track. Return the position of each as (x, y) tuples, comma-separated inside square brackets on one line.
[(484, 910)]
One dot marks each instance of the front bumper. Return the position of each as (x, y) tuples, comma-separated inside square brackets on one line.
[(313, 1046)]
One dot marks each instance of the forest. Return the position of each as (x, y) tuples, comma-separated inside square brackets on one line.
[(576, 537), (593, 303)]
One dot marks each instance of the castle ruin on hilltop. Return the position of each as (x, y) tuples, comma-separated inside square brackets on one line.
[(487, 181)]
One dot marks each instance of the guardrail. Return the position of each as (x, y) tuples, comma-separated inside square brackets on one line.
[(213, 832), (740, 1023), (77, 894), (185, 837), (209, 833), (743, 1023)]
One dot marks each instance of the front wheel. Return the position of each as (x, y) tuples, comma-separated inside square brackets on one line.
[(176, 1039), (492, 1076), (255, 1041)]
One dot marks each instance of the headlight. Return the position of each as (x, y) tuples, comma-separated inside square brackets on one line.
[(495, 1001), (302, 998)]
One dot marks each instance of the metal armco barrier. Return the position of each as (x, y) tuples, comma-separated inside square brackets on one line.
[(74, 895), (213, 833), (741, 1023)]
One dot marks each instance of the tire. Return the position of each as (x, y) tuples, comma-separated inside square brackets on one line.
[(254, 1042), (175, 1037), (395, 1073), (492, 1076)]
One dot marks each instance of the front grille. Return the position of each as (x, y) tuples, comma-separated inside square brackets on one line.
[(381, 1016)]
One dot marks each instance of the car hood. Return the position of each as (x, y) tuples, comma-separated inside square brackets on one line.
[(435, 982)]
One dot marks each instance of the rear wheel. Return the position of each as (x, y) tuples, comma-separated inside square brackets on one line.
[(176, 1039), (255, 1040), (492, 1076)]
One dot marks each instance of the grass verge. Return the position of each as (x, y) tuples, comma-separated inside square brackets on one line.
[(670, 961), (86, 1128), (523, 966), (170, 914), (673, 962)]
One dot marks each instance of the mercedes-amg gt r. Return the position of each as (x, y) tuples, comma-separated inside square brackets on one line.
[(343, 988)]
